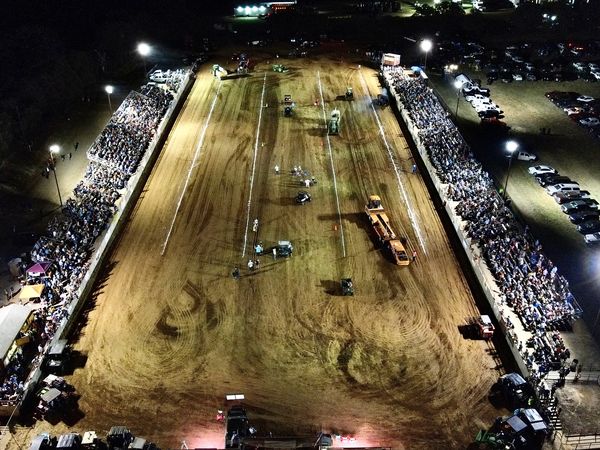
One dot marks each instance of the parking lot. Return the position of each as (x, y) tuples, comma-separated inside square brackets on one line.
[(570, 148)]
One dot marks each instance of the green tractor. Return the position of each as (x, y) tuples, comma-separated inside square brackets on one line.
[(279, 68), (492, 441)]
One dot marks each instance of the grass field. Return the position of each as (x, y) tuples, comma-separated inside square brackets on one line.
[(569, 148)]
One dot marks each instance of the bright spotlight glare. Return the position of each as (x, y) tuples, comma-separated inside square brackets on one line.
[(109, 89), (240, 9), (457, 84), (143, 49), (426, 45), (511, 146), (55, 148)]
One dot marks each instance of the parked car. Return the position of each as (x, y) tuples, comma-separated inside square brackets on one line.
[(487, 102), (585, 98), (579, 66), (588, 204), (476, 97), (563, 187), (592, 239), (526, 156), (541, 169), (583, 216), (565, 197), (158, 76), (480, 107), (548, 179), (589, 227), (573, 110), (590, 122), (532, 76), (490, 114), (517, 77), (471, 89)]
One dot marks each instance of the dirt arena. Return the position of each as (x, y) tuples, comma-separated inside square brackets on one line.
[(170, 334)]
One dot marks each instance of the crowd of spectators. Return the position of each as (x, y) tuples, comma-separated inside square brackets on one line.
[(69, 241), (127, 135), (528, 280)]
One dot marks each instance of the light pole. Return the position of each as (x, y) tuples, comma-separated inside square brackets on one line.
[(144, 50), (109, 90), (55, 149), (457, 86), (511, 148), (426, 46)]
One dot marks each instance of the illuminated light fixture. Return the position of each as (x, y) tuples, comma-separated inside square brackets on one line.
[(254, 8), (240, 9), (426, 45), (262, 8), (144, 49), (247, 9)]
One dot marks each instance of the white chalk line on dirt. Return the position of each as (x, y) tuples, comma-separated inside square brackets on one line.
[(192, 165), (411, 214), (335, 189), (262, 98)]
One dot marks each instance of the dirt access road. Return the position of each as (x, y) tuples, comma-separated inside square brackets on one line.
[(170, 334)]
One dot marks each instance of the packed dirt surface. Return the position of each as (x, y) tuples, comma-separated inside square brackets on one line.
[(168, 335)]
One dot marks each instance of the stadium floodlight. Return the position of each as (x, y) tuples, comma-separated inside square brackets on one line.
[(144, 49), (511, 148), (254, 8), (55, 150), (247, 9), (426, 45), (262, 8), (240, 9)]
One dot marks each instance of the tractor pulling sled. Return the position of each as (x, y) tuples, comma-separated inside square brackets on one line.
[(381, 225)]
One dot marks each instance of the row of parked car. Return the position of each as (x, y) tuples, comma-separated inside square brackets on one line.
[(583, 109), (478, 97), (525, 61), (582, 210)]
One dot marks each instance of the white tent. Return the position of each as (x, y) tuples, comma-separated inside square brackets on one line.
[(12, 319)]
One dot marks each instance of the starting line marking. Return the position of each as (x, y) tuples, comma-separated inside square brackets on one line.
[(196, 154)]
